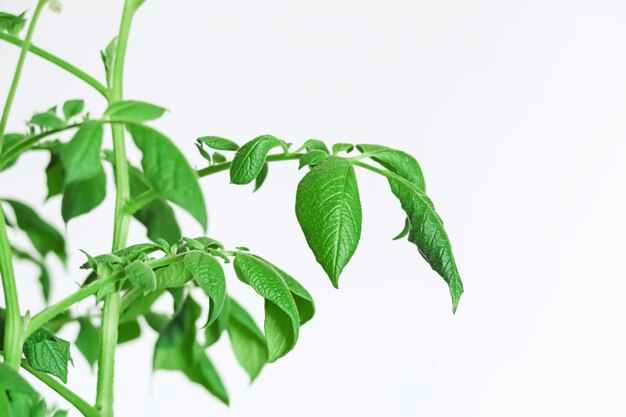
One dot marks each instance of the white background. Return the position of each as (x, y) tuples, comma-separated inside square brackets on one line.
[(516, 111)]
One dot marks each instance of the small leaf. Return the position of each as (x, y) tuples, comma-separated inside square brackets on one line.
[(81, 155), (168, 172), (47, 353), (221, 144), (108, 57), (72, 108), (247, 340), (314, 144), (218, 158), (260, 179), (141, 275), (43, 236), (172, 276), (342, 147), (328, 209), (398, 162), (250, 158), (405, 230), (312, 158), (133, 111), (12, 24), (203, 152), (47, 121), (82, 197), (209, 275), (88, 340)]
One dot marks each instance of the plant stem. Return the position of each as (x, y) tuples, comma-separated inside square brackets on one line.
[(61, 63), (226, 165), (73, 398), (111, 309), (13, 336)]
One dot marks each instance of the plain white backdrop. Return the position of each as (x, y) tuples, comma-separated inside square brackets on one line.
[(516, 111)]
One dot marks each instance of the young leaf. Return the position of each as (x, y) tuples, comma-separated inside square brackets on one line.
[(282, 320), (428, 234), (209, 275), (12, 24), (204, 373), (172, 276), (250, 158), (174, 347), (47, 121), (133, 111), (72, 107), (218, 158), (218, 143), (88, 340), (398, 162), (314, 144), (342, 147), (312, 158), (43, 236), (260, 179), (328, 209), (81, 155), (405, 230), (247, 340), (141, 275), (47, 353), (83, 196), (168, 171)]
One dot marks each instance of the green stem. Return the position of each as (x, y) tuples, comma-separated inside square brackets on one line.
[(73, 398), (111, 309), (13, 334), (61, 63)]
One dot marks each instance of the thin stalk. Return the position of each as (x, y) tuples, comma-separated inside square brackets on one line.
[(111, 309), (59, 62), (13, 334)]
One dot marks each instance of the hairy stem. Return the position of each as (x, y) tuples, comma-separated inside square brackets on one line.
[(61, 63), (73, 398), (13, 335)]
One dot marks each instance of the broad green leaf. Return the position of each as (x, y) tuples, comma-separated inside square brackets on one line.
[(328, 209), (47, 121), (247, 340), (342, 147), (47, 353), (405, 230), (398, 162), (12, 24), (72, 108), (428, 234), (10, 380), (213, 331), (260, 179), (282, 319), (221, 144), (314, 144), (44, 275), (127, 331), (312, 158), (43, 236), (141, 275), (204, 373), (157, 216), (174, 347), (81, 155), (209, 275), (10, 141), (172, 276), (250, 158), (88, 340), (82, 197), (168, 172), (55, 175), (133, 111)]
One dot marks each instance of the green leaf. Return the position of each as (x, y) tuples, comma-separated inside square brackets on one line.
[(88, 340), (312, 158), (72, 108), (405, 230), (47, 353), (250, 158), (157, 216), (342, 147), (157, 321), (314, 144), (398, 162), (168, 172), (260, 179), (221, 144), (10, 380), (204, 373), (428, 234), (282, 320), (174, 347), (55, 172), (43, 236), (328, 209), (141, 275), (218, 158), (133, 111), (247, 340), (304, 301), (12, 24), (213, 331), (47, 121), (82, 197), (81, 155), (209, 275), (10, 141), (172, 276), (127, 331)]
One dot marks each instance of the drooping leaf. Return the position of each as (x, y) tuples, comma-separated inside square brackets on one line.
[(314, 144), (47, 120), (428, 234), (250, 158), (157, 321), (328, 209), (213, 331), (247, 340), (140, 307), (83, 196), (398, 162), (81, 155), (312, 158), (12, 24), (72, 108), (44, 237), (172, 276), (133, 111), (221, 144), (46, 352), (88, 340), (141, 275), (342, 147), (260, 179), (174, 347), (204, 373), (282, 320), (209, 275), (168, 172)]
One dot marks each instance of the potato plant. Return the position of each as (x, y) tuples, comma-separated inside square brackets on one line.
[(125, 283)]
